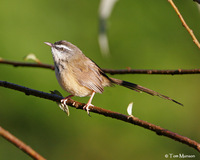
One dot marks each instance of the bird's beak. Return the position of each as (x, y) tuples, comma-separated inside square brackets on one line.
[(49, 44)]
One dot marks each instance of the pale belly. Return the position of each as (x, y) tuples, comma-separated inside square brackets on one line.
[(71, 85)]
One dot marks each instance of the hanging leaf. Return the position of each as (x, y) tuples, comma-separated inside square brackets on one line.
[(62, 106)]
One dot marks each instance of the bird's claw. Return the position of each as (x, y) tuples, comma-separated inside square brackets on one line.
[(64, 101), (86, 107)]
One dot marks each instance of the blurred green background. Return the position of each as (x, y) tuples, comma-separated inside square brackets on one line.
[(141, 36)]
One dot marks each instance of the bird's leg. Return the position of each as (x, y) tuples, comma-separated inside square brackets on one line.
[(64, 100), (86, 107)]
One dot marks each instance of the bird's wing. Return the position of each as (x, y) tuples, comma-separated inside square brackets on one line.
[(88, 74)]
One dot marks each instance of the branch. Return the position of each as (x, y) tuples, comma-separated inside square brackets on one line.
[(110, 71), (25, 64), (152, 71), (129, 119), (184, 23), (18, 143)]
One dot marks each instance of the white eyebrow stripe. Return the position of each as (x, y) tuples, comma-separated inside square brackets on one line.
[(63, 46)]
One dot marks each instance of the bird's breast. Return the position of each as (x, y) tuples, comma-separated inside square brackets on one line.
[(68, 82)]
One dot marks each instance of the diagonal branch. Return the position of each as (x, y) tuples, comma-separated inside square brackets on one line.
[(129, 119), (184, 23), (18, 143), (110, 71)]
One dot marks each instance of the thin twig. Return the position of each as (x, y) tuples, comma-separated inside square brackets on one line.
[(21, 145), (130, 119), (110, 71), (26, 64), (184, 23), (152, 71)]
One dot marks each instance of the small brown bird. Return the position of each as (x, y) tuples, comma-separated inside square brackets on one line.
[(80, 76)]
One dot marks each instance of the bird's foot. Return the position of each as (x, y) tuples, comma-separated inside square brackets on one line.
[(86, 107), (64, 100)]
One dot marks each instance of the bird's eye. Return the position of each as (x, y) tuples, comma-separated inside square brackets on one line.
[(62, 49)]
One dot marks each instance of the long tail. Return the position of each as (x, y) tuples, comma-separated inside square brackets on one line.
[(139, 88)]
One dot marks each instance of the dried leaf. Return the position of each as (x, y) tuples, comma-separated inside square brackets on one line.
[(33, 57), (129, 108), (62, 106)]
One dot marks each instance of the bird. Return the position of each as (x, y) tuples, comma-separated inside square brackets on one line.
[(80, 76)]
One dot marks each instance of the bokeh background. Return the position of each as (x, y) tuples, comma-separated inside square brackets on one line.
[(142, 35)]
